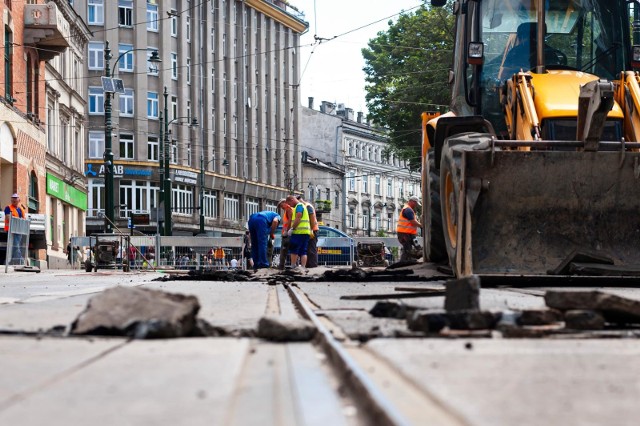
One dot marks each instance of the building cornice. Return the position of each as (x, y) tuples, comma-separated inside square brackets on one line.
[(279, 15)]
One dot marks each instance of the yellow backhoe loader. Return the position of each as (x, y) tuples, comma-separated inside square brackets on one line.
[(535, 170)]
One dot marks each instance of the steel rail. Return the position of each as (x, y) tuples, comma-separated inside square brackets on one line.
[(379, 408)]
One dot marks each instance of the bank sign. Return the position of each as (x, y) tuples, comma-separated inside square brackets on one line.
[(95, 170), (66, 192)]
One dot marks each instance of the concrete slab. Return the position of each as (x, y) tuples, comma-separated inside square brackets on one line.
[(524, 382), (180, 381)]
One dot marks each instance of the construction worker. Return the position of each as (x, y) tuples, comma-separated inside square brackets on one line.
[(287, 212), (299, 232), (14, 209), (262, 226), (312, 248), (407, 227)]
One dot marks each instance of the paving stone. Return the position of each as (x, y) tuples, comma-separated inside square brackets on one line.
[(139, 313), (579, 319), (278, 329), (427, 321), (391, 309), (539, 317), (462, 294), (433, 322), (615, 309)]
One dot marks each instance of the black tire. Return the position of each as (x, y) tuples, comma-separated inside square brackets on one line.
[(434, 244)]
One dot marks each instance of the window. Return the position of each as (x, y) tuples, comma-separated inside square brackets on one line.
[(352, 180), (126, 146), (95, 15), (174, 23), (152, 67), (138, 196), (174, 152), (188, 70), (126, 61), (390, 187), (153, 153), (126, 103), (152, 17), (183, 199), (188, 28), (152, 105), (96, 145), (174, 107), (231, 207), (96, 100), (351, 218), (365, 184), (95, 197), (252, 206), (377, 185), (8, 64), (210, 203), (125, 13), (174, 65), (96, 55), (365, 219)]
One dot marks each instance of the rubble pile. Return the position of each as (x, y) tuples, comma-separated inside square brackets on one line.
[(568, 312)]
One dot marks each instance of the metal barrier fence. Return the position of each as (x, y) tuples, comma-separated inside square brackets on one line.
[(187, 252), (17, 243)]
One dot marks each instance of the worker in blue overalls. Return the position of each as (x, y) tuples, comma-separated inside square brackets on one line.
[(262, 226)]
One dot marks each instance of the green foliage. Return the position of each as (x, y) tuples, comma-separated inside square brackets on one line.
[(381, 233), (406, 71)]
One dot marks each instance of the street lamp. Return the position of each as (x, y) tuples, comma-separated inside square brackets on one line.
[(225, 163), (108, 86), (166, 184)]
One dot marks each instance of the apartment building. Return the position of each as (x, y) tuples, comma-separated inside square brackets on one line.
[(66, 105), (210, 134), (34, 32), (350, 173)]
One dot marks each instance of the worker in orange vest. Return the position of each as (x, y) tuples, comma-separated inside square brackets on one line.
[(287, 212), (407, 227), (14, 210)]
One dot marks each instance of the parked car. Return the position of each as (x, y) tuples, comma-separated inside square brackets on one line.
[(334, 246)]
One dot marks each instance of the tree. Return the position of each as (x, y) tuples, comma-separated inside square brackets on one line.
[(406, 71)]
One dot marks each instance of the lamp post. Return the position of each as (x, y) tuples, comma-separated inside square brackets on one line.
[(166, 184), (108, 129)]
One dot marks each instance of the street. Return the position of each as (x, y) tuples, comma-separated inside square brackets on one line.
[(386, 373)]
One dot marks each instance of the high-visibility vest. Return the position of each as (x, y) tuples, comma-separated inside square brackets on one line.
[(218, 254), (286, 218), (15, 212), (303, 226), (404, 225)]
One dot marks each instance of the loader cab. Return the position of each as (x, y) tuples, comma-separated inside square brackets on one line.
[(577, 37)]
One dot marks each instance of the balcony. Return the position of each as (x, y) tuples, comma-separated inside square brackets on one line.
[(323, 206), (46, 28)]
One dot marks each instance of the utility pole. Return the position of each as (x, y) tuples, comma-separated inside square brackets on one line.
[(167, 177), (160, 175), (108, 153)]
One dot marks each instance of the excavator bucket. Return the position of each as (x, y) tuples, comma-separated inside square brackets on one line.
[(508, 211)]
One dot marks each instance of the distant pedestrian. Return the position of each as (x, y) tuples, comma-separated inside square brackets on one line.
[(234, 263), (132, 256), (262, 226), (246, 249)]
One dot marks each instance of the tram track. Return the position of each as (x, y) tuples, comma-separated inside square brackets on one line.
[(382, 393)]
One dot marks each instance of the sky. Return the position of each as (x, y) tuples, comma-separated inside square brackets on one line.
[(332, 70)]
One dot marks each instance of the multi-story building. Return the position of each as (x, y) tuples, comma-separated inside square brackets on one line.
[(34, 32), (348, 162), (233, 66), (66, 190)]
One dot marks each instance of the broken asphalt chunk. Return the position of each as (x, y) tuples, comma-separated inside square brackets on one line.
[(579, 319), (139, 313), (431, 322), (462, 294), (615, 309), (391, 309), (539, 317), (277, 329)]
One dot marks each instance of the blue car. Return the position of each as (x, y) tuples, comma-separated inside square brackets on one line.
[(334, 247)]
